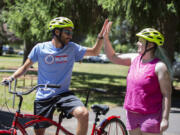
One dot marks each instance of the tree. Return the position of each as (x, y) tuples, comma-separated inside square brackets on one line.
[(24, 20), (29, 19), (3, 38), (162, 15)]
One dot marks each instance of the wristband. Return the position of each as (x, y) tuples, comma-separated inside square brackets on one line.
[(12, 79), (100, 37)]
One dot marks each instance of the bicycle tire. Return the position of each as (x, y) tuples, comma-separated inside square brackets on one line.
[(113, 126)]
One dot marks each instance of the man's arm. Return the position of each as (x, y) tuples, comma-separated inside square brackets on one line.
[(95, 50), (22, 70), (166, 89)]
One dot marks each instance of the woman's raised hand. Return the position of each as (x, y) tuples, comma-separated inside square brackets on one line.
[(101, 34), (108, 29)]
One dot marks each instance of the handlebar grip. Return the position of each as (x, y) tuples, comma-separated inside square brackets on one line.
[(6, 82), (53, 86), (99, 90)]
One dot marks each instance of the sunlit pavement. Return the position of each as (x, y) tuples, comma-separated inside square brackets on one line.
[(174, 121)]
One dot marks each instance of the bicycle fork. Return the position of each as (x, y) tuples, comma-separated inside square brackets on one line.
[(15, 124)]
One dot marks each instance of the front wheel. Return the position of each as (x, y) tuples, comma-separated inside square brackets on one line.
[(113, 126)]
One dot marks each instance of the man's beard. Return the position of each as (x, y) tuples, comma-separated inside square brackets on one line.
[(65, 41)]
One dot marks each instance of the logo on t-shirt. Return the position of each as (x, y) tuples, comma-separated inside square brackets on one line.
[(61, 58), (50, 59)]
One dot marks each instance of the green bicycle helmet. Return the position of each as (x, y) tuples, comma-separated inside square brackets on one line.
[(60, 22), (151, 35)]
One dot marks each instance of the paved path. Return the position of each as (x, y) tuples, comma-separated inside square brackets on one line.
[(174, 121), (174, 128), (174, 125)]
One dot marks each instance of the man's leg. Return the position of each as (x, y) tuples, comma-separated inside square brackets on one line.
[(82, 115), (43, 108)]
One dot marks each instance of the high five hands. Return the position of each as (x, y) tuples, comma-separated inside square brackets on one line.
[(105, 29)]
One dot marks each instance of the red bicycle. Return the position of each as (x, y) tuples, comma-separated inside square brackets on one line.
[(109, 126)]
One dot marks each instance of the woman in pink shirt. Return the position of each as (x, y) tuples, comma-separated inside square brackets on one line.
[(148, 95)]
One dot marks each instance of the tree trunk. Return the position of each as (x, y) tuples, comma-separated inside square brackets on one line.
[(170, 27), (1, 50), (28, 45)]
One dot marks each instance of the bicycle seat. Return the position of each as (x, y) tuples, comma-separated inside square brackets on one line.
[(101, 109)]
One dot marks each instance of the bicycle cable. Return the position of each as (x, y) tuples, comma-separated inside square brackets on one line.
[(5, 101)]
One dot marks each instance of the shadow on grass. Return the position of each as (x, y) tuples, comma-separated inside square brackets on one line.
[(81, 82), (10, 56), (115, 93)]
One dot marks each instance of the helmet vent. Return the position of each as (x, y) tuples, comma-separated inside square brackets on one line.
[(155, 33), (146, 33), (150, 37), (66, 21), (159, 38), (61, 23)]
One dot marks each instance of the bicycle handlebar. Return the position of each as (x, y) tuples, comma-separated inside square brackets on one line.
[(30, 90), (49, 86), (99, 90), (93, 89)]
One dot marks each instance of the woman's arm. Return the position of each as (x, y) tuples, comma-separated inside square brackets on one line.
[(122, 59), (166, 89)]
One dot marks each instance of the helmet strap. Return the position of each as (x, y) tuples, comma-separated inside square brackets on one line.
[(59, 37), (146, 50)]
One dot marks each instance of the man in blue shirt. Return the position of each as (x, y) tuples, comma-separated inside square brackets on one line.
[(55, 63)]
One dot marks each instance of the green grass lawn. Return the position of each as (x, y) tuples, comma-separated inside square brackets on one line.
[(10, 61), (85, 76)]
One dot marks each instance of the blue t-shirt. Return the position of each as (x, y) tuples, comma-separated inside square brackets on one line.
[(55, 66)]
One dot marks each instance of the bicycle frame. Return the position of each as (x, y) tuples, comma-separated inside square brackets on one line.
[(96, 130), (36, 119)]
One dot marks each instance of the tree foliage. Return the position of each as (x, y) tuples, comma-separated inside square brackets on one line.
[(29, 19), (26, 20), (162, 15)]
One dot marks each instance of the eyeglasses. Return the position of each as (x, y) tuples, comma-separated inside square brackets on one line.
[(68, 32)]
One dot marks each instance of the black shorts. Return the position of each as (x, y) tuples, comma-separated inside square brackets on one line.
[(66, 101)]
